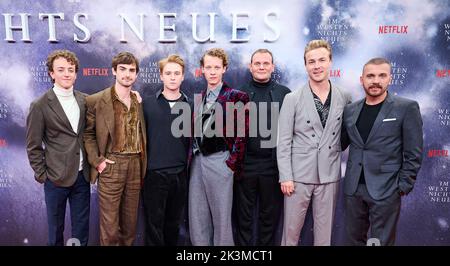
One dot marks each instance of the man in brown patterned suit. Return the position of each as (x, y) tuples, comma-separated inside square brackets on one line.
[(115, 142)]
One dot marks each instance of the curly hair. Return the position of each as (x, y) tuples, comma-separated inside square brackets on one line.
[(215, 52)]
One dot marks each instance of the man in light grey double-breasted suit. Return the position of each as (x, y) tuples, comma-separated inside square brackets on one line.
[(309, 148)]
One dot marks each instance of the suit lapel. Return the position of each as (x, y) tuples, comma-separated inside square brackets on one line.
[(56, 107), (355, 116), (82, 105), (222, 98), (330, 118), (107, 111), (384, 111), (312, 113), (143, 132)]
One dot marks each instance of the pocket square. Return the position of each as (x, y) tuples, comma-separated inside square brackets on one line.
[(389, 119)]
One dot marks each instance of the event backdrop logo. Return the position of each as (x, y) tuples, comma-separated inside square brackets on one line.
[(447, 31), (39, 72), (399, 73), (444, 116), (3, 111), (149, 74), (414, 35), (439, 193), (5, 178)]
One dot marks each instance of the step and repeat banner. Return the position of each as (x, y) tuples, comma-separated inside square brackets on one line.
[(414, 35)]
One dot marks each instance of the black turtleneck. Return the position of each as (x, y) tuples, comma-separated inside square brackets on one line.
[(258, 159), (261, 94)]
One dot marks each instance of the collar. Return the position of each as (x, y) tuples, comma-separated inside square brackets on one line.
[(183, 96), (115, 97), (262, 85), (329, 82), (60, 92), (215, 92)]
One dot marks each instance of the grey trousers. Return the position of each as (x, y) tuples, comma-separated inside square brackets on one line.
[(323, 197), (210, 200), (363, 212)]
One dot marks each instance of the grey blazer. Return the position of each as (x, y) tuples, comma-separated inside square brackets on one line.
[(59, 158), (307, 152), (392, 154)]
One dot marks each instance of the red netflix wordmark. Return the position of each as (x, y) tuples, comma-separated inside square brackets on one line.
[(95, 71), (438, 153), (393, 30), (335, 73), (3, 143), (198, 72), (443, 73)]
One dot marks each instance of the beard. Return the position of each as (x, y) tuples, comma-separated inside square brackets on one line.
[(374, 93)]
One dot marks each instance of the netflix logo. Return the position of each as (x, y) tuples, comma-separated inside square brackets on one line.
[(442, 73), (392, 29), (437, 153), (3, 143), (335, 73), (198, 73), (98, 72)]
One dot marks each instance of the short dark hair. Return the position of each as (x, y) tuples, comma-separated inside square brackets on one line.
[(377, 61), (261, 51), (66, 54), (125, 58)]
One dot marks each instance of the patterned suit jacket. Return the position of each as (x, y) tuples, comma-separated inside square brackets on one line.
[(236, 143)]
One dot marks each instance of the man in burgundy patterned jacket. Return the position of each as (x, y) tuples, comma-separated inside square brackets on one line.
[(220, 124)]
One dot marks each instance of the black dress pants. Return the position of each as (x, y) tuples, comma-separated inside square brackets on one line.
[(251, 188), (164, 198)]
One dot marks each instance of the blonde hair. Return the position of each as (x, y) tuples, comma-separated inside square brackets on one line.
[(316, 44), (173, 58)]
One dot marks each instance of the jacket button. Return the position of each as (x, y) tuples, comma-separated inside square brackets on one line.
[(329, 147), (334, 133), (313, 135), (78, 153), (308, 121), (339, 118), (359, 164)]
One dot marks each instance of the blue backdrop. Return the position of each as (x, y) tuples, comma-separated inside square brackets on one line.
[(414, 35)]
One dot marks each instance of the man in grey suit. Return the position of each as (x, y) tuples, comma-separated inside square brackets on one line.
[(384, 132), (55, 149), (309, 148)]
